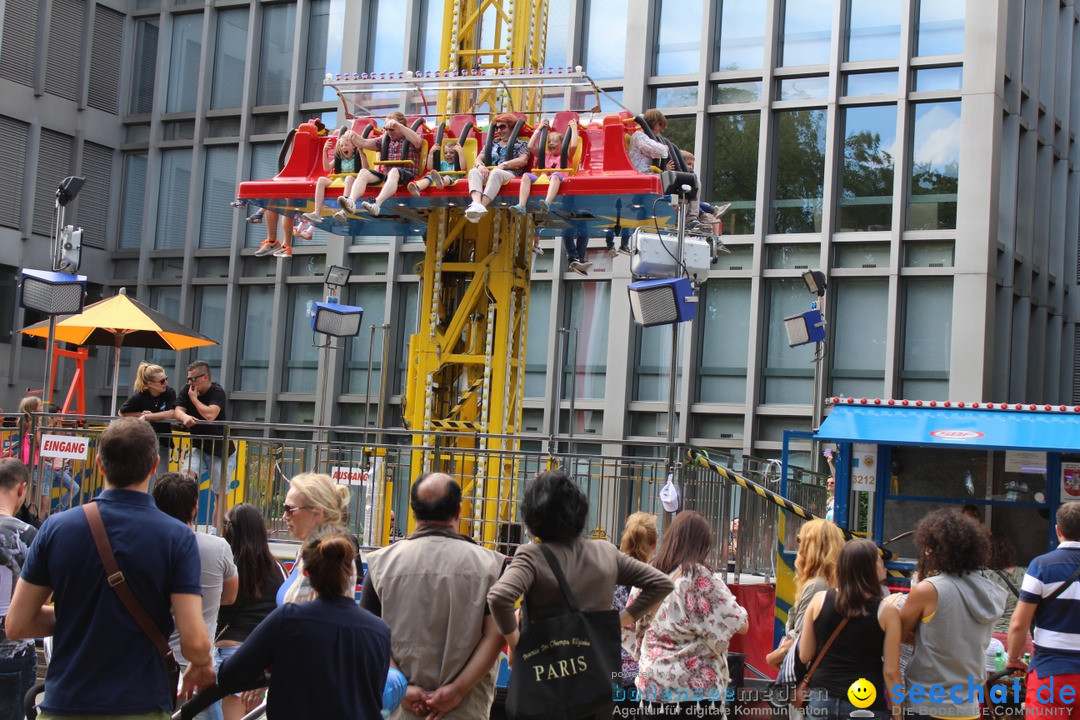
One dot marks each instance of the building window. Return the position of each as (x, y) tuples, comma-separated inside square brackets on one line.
[(558, 33), (652, 368), (941, 27), (371, 297), (132, 201), (142, 66), (264, 165), (219, 181), (605, 38), (867, 172), (537, 344), (430, 45), (276, 54), (878, 83), (256, 319), (184, 62), (924, 374), (807, 32), (857, 351), (210, 319), (301, 357), (585, 366), (725, 341), (166, 300), (678, 47), (230, 61), (403, 330), (788, 372), (873, 29), (323, 48), (799, 171), (943, 78), (386, 36), (742, 35), (815, 87), (174, 199), (735, 169), (934, 177)]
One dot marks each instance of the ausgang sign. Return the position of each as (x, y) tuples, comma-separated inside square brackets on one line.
[(67, 447), (956, 434)]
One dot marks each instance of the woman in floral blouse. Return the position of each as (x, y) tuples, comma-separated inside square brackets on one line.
[(683, 652)]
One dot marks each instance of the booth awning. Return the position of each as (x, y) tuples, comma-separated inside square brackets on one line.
[(964, 428)]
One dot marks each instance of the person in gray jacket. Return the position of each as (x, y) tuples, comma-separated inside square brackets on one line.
[(951, 613)]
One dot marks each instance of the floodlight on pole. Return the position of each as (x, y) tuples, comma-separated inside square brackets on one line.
[(54, 294), (662, 302), (815, 282), (67, 240)]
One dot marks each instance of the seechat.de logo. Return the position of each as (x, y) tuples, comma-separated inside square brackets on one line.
[(956, 434)]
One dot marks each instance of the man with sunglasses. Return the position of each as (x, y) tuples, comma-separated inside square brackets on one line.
[(507, 160), (203, 401)]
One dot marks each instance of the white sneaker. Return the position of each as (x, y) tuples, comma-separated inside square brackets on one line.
[(341, 216), (347, 203), (313, 217), (371, 207), (580, 268), (612, 253), (538, 250), (475, 211), (438, 180)]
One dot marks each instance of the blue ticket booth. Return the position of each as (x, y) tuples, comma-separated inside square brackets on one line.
[(898, 460)]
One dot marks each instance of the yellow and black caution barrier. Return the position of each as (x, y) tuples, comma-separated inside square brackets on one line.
[(698, 456)]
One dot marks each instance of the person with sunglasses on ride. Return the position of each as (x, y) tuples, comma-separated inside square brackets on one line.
[(507, 161)]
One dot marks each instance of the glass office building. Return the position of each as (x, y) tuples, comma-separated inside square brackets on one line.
[(921, 153)]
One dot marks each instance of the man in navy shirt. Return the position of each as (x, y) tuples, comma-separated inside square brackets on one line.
[(1053, 681), (103, 663)]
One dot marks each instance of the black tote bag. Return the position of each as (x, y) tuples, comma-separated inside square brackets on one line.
[(564, 665)]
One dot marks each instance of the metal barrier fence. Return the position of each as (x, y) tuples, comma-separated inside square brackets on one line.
[(381, 465)]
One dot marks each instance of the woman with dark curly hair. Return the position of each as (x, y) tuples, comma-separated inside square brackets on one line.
[(554, 511), (951, 610)]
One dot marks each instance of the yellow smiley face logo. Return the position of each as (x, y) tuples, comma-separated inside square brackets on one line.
[(862, 693)]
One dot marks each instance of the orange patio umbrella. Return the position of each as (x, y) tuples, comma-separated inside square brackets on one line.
[(119, 321)]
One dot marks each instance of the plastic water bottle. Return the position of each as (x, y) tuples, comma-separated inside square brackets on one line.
[(994, 651), (999, 662)]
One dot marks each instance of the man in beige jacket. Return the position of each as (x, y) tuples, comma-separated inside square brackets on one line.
[(431, 589)]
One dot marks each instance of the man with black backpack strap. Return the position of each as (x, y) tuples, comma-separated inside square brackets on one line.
[(104, 661), (1050, 596)]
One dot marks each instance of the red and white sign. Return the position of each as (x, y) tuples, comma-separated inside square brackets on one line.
[(67, 447), (956, 434), (348, 475)]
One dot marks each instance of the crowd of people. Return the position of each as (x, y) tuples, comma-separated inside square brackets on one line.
[(506, 157), (436, 608)]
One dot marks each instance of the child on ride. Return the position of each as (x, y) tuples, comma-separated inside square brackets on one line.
[(553, 160), (346, 159), (448, 163)]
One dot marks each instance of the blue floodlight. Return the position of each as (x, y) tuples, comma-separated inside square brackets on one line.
[(805, 328), (52, 293), (337, 320), (662, 302)]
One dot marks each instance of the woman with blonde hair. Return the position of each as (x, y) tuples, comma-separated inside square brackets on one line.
[(313, 501), (820, 543), (153, 401), (639, 542)]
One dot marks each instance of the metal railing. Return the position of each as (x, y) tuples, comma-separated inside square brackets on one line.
[(381, 472)]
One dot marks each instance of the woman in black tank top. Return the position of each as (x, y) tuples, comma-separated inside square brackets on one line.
[(863, 662)]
